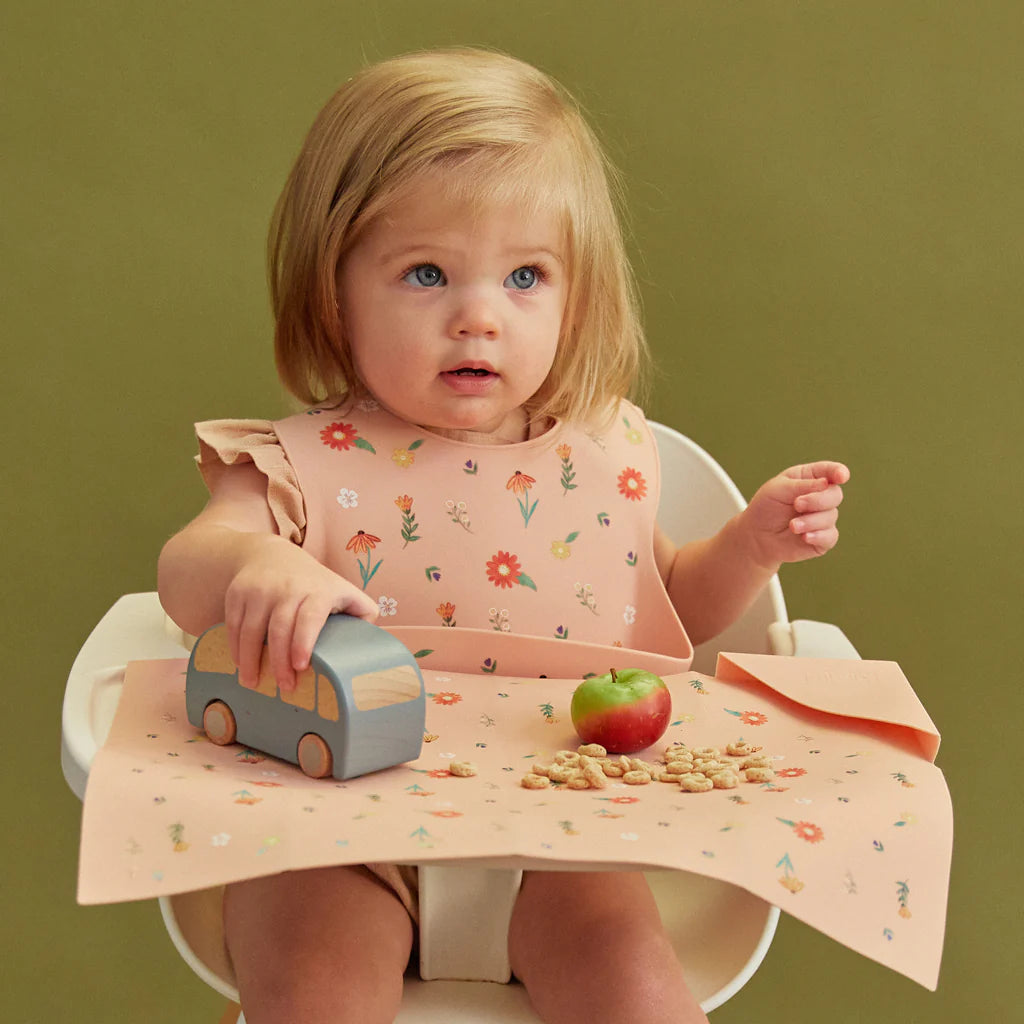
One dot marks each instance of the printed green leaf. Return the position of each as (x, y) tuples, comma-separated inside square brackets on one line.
[(361, 442)]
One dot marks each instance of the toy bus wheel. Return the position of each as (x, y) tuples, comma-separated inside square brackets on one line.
[(315, 756), (219, 723)]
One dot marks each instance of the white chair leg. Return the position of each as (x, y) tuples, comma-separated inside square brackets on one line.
[(464, 918)]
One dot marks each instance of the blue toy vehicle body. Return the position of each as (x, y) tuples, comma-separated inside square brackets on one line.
[(359, 707)]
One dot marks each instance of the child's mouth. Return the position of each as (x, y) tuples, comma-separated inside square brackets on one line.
[(466, 371)]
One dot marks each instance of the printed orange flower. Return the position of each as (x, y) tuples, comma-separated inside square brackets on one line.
[(362, 543), (340, 436), (632, 485), (446, 814), (503, 569), (563, 451), (790, 773), (753, 718), (404, 502), (519, 482), (806, 830), (792, 883), (447, 698), (445, 610), (439, 773)]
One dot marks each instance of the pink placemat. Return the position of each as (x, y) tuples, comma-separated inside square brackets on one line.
[(853, 836)]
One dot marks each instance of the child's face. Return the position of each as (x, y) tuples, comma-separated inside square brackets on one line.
[(453, 311)]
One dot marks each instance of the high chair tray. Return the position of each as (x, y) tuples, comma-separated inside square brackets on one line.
[(852, 835)]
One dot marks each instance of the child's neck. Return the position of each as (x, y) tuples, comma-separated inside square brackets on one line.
[(514, 429)]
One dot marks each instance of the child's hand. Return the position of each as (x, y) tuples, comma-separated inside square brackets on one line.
[(285, 595), (793, 516)]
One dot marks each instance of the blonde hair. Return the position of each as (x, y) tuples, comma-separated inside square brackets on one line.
[(507, 132)]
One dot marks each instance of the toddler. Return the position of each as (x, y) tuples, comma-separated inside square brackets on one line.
[(454, 308)]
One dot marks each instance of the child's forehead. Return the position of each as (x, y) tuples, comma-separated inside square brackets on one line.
[(430, 211)]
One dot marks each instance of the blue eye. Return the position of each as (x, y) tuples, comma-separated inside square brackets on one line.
[(426, 275), (522, 278)]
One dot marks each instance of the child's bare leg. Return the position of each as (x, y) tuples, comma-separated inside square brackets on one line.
[(591, 946), (323, 945)]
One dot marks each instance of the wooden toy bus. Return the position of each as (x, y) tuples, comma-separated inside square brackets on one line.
[(359, 707)]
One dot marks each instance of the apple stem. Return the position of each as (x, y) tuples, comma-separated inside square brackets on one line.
[(615, 677)]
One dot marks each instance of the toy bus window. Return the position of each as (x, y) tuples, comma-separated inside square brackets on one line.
[(266, 684), (212, 653), (304, 694), (328, 705), (388, 686)]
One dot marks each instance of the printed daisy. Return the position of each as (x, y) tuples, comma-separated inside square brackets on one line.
[(446, 697), (520, 483), (387, 606), (362, 543), (340, 436), (503, 569), (403, 457), (632, 484), (348, 498), (629, 615)]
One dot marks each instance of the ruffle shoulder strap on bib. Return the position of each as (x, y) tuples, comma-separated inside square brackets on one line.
[(225, 443)]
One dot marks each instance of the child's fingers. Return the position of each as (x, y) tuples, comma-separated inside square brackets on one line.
[(818, 501), (816, 522), (280, 639), (822, 540)]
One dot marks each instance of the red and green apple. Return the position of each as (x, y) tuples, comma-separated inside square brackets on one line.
[(625, 710)]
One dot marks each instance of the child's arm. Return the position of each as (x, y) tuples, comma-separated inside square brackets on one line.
[(230, 565), (791, 518)]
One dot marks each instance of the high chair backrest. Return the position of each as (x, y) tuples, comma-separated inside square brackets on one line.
[(697, 499)]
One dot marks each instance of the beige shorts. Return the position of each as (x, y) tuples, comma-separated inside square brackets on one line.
[(195, 921)]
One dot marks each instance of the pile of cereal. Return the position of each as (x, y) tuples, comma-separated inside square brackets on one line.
[(696, 770)]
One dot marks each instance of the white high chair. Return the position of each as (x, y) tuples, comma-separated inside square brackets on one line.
[(465, 908)]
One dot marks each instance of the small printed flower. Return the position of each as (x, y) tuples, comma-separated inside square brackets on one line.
[(220, 839), (790, 773), (409, 524), (340, 436), (403, 458), (629, 615), (348, 498), (792, 883), (458, 513), (603, 519), (632, 484), (500, 620), (433, 573), (562, 633), (624, 800), (503, 569), (362, 542), (387, 606), (439, 773), (585, 596), (902, 780), (753, 718), (446, 814), (560, 549), (446, 697), (806, 830), (447, 612), (491, 665), (633, 436), (631, 559), (520, 483), (470, 467), (563, 451), (368, 404), (903, 896)]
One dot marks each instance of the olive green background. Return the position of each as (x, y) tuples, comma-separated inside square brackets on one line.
[(826, 213)]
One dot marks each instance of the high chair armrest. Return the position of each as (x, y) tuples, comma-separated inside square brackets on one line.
[(134, 628), (804, 638)]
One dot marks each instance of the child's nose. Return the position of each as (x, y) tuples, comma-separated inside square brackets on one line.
[(475, 316)]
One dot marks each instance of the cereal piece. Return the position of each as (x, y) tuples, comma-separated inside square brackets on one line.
[(566, 757), (668, 777), (561, 772), (710, 767), (636, 778), (706, 752), (759, 774), (725, 780), (678, 768), (694, 783), (741, 748), (613, 769), (637, 765), (757, 761), (594, 774), (531, 781), (578, 781), (463, 769), (592, 750), (541, 769)]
